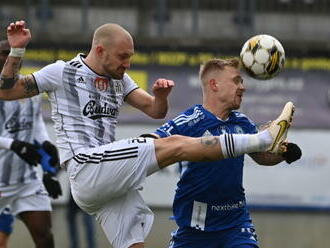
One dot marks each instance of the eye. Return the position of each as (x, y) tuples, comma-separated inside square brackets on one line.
[(238, 80)]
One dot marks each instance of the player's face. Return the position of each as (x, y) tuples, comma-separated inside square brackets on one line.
[(117, 58), (3, 58), (231, 87)]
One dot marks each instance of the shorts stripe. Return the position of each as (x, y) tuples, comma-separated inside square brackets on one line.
[(113, 155), (121, 150)]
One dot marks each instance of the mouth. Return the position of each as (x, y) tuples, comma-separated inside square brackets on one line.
[(240, 97), (121, 70)]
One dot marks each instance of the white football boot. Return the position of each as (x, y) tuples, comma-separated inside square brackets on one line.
[(279, 128)]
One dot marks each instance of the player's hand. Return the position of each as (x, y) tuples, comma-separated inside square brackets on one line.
[(18, 36), (52, 185), (291, 152), (52, 152), (162, 87), (26, 151)]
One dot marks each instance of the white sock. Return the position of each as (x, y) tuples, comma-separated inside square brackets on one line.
[(234, 145)]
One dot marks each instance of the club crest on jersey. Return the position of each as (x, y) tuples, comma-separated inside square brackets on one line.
[(102, 84), (238, 129)]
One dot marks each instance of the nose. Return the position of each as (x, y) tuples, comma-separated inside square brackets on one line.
[(127, 64), (242, 87)]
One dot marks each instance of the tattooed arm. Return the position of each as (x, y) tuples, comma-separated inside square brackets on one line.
[(14, 87), (11, 85)]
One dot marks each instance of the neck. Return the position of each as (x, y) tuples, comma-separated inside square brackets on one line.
[(219, 110), (92, 63)]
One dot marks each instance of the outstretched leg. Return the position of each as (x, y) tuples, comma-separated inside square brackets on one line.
[(180, 148)]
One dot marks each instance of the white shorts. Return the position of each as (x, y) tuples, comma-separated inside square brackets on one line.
[(105, 183), (20, 198)]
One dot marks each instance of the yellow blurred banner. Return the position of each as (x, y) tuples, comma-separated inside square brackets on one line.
[(170, 58)]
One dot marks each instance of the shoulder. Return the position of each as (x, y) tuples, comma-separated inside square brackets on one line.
[(75, 62), (240, 116), (51, 68), (127, 80), (243, 119), (191, 117)]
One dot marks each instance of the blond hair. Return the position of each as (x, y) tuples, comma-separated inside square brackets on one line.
[(217, 64)]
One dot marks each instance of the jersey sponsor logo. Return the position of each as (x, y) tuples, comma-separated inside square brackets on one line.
[(102, 84), (14, 125), (94, 110), (228, 207)]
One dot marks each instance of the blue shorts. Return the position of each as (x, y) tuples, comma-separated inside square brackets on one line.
[(6, 221), (239, 237)]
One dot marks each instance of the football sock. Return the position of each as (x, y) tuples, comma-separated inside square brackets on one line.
[(234, 145)]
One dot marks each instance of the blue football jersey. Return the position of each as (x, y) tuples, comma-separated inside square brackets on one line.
[(209, 195)]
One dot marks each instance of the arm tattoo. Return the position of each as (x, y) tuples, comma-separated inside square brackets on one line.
[(8, 82), (209, 141), (30, 86)]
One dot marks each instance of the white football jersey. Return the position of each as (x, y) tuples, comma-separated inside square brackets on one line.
[(85, 105), (20, 120)]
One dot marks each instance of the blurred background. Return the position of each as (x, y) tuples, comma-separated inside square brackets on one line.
[(289, 203)]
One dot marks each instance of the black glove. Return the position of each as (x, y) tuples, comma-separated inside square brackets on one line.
[(52, 185), (52, 151), (291, 153), (26, 151)]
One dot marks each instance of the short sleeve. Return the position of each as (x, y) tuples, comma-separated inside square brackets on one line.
[(167, 129), (129, 85), (49, 78)]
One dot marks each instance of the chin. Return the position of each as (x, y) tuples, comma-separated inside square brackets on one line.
[(118, 77), (237, 106)]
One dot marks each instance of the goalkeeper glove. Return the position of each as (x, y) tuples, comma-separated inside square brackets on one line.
[(49, 157), (292, 152), (52, 185), (26, 151), (52, 152)]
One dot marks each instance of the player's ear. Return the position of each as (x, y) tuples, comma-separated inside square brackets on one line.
[(99, 50), (213, 84)]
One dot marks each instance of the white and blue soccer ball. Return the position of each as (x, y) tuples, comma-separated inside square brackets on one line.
[(262, 56)]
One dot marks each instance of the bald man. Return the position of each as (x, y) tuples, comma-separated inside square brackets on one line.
[(86, 94)]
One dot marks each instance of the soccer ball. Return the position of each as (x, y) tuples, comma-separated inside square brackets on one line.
[(262, 56)]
